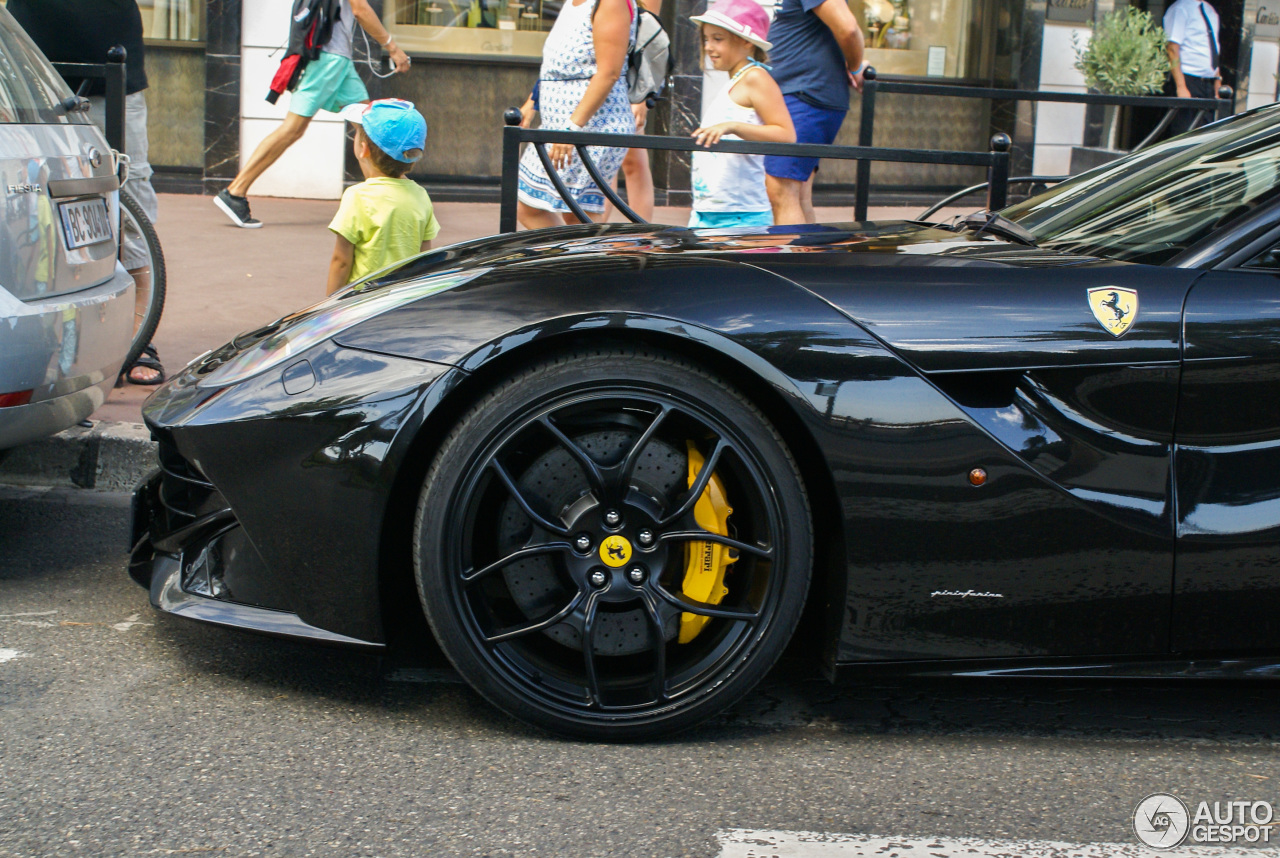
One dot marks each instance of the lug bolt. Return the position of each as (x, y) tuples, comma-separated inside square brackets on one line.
[(598, 578), (612, 518), (645, 537), (582, 543), (636, 574)]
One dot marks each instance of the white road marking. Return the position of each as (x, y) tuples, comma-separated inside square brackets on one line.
[(747, 843), (129, 622), (28, 614), (9, 655)]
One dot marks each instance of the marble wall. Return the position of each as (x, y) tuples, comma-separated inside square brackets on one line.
[(222, 94), (175, 106)]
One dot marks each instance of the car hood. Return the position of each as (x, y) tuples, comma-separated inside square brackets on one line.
[(866, 243)]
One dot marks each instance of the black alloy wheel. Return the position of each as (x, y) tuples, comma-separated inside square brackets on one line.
[(560, 534)]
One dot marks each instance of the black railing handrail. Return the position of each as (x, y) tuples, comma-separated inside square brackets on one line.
[(996, 160), (1221, 106), (113, 72)]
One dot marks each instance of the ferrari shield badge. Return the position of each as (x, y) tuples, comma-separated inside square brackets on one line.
[(1115, 309)]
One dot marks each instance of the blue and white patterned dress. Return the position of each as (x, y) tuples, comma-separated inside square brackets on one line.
[(568, 62)]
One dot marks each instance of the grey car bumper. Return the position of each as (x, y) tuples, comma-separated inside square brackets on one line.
[(67, 351)]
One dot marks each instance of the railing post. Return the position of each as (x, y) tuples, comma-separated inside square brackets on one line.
[(510, 170), (115, 82), (1226, 102), (998, 174), (866, 133)]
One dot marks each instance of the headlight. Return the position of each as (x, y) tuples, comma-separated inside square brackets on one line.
[(294, 334)]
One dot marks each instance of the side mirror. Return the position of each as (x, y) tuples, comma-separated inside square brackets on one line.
[(1268, 260)]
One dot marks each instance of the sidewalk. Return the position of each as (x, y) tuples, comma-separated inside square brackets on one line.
[(223, 280)]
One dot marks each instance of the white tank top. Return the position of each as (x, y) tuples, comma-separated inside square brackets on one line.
[(724, 182)]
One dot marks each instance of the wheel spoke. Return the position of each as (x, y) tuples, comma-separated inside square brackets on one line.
[(539, 519), (589, 466), (633, 455), (659, 647), (699, 484), (589, 647), (472, 575), (520, 631), (684, 603), (708, 536)]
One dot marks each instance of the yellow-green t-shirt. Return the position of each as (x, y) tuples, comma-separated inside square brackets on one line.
[(386, 219)]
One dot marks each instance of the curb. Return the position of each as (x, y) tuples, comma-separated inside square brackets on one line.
[(106, 456)]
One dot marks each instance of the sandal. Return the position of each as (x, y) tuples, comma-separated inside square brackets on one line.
[(149, 359)]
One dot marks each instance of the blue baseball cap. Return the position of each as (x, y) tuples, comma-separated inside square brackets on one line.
[(393, 125)]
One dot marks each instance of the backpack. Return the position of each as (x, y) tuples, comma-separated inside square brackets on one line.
[(310, 26), (649, 63)]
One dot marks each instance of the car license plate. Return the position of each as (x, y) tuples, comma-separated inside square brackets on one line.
[(85, 222)]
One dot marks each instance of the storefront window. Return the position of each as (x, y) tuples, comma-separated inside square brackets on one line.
[(509, 28), (924, 38), (173, 20)]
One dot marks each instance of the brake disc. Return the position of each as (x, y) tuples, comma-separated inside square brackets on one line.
[(536, 586)]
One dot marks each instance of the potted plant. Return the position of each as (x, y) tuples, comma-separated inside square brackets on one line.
[(1125, 56)]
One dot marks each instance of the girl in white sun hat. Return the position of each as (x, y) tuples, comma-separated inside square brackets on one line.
[(728, 190)]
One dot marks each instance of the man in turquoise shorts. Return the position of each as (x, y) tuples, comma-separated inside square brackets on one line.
[(328, 83)]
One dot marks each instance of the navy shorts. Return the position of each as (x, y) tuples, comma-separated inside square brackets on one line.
[(813, 125)]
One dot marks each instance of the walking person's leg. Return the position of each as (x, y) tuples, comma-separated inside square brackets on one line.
[(635, 168), (530, 217), (788, 180), (784, 198), (328, 83), (274, 145), (806, 199)]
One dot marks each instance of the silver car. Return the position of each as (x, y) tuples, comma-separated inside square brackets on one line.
[(66, 304)]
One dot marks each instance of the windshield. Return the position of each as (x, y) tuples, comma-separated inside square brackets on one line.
[(1151, 206)]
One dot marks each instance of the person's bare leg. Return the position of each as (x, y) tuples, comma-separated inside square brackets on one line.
[(593, 217), (535, 218), (635, 167), (806, 200), (784, 197), (268, 152), (142, 297)]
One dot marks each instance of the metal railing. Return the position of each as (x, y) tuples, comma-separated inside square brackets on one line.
[(996, 161), (1221, 107), (113, 72)]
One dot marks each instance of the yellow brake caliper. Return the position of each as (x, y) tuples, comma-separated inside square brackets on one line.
[(706, 562)]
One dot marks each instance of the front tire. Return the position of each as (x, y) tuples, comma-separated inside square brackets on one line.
[(562, 522)]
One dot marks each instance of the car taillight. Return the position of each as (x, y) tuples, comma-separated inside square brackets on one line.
[(21, 397)]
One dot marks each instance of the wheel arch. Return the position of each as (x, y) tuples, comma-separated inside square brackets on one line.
[(761, 382)]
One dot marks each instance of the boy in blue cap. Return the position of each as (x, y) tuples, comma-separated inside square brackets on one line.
[(386, 217)]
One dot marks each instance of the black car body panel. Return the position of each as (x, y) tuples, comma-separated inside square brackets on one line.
[(1066, 550), (1227, 591)]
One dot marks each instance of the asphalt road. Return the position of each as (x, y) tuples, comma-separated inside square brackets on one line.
[(126, 732)]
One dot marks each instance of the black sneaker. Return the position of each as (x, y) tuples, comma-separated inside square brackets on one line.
[(237, 208)]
